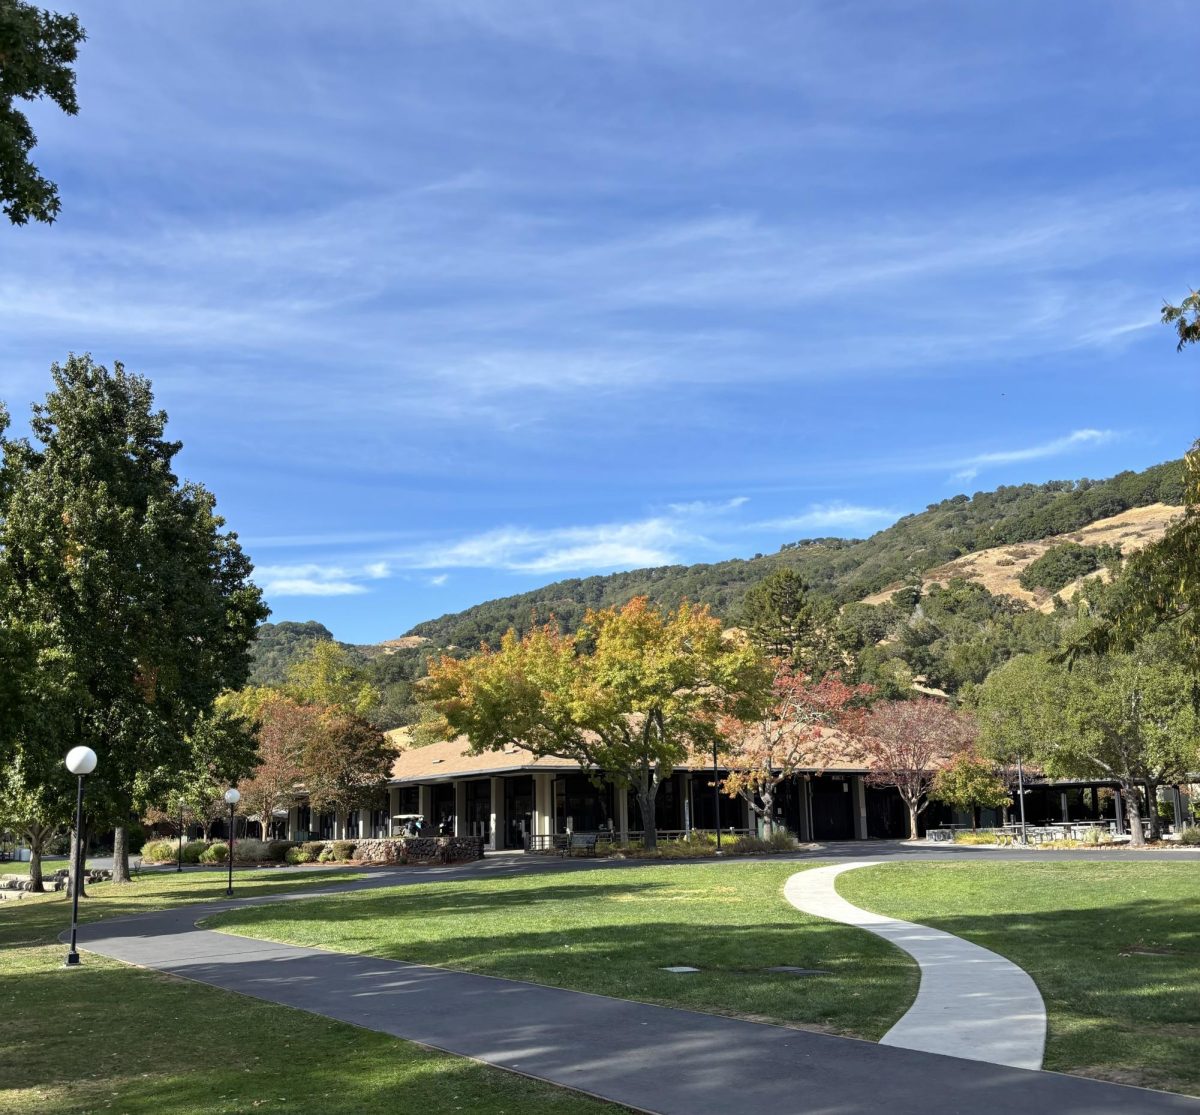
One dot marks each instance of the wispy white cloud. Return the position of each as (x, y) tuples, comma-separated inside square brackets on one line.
[(1056, 447), (833, 516)]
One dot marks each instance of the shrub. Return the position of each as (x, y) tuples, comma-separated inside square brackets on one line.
[(278, 849), (1190, 835), (974, 837), (780, 840), (159, 851), (300, 855), (217, 852), (1062, 564), (343, 849), (193, 850), (313, 848), (250, 851)]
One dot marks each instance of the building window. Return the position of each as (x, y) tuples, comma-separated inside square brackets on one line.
[(325, 826), (352, 820)]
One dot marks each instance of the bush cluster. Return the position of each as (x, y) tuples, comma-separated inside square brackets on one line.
[(216, 852), (780, 840), (1190, 835), (343, 849), (159, 851), (1062, 564)]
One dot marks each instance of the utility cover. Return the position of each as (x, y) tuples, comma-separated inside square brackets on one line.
[(681, 968)]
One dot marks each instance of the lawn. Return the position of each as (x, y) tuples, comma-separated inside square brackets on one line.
[(109, 1037), (612, 931), (1114, 949)]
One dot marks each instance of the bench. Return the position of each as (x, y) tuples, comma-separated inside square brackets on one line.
[(583, 841)]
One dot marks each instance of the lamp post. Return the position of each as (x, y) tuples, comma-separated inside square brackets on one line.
[(179, 855), (233, 797), (81, 761), (716, 799), (1021, 797)]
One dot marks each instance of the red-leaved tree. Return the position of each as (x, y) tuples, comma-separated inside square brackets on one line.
[(906, 743), (804, 728), (285, 731)]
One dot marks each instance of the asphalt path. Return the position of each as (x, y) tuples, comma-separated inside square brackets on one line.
[(652, 1058)]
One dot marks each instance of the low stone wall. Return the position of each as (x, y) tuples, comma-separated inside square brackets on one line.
[(419, 849)]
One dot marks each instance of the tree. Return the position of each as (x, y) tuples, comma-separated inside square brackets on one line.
[(785, 620), (286, 731), (799, 731), (1186, 319), (326, 675), (628, 698), (35, 810), (1131, 718), (971, 781), (37, 50), (138, 605), (906, 743), (345, 762)]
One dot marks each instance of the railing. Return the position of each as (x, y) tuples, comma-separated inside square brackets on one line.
[(550, 842)]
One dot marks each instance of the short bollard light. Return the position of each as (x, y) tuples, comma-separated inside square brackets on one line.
[(81, 761), (233, 797)]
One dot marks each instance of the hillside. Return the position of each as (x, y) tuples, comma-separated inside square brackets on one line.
[(934, 542), (999, 568)]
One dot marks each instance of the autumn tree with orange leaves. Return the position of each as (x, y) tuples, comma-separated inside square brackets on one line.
[(800, 730), (628, 697)]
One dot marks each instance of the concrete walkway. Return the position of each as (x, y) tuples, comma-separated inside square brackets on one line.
[(971, 1003), (656, 1059)]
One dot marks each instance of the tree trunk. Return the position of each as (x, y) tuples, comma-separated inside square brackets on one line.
[(120, 855), (974, 821), (912, 819), (36, 834), (1133, 812), (645, 800), (768, 812), (78, 860)]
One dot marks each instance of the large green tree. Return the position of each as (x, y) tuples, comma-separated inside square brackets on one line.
[(1130, 717), (629, 697), (37, 51), (138, 603), (788, 621)]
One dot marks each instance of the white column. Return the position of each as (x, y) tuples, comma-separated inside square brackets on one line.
[(860, 803), (425, 807), (1066, 808), (543, 805), (687, 801), (498, 821), (460, 808)]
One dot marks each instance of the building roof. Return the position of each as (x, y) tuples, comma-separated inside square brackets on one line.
[(439, 762)]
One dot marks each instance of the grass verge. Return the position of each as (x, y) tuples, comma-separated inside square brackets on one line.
[(1113, 947), (109, 1037), (612, 931)]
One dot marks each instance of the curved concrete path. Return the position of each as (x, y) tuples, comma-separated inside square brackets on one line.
[(972, 1002), (655, 1059)]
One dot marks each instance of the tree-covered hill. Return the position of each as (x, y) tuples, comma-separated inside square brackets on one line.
[(843, 569)]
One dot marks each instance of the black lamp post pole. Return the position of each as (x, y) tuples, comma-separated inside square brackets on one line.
[(77, 883), (716, 798), (179, 857), (229, 887), (1021, 796)]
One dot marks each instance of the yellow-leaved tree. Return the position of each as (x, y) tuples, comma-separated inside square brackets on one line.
[(629, 696)]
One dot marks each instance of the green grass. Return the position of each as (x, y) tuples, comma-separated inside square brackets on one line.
[(109, 1037), (611, 932), (1113, 947)]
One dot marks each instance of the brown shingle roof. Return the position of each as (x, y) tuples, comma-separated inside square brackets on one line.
[(452, 758)]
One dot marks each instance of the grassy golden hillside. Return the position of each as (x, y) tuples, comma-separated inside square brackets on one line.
[(998, 568)]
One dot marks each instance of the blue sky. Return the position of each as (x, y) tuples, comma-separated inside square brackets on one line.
[(450, 300)]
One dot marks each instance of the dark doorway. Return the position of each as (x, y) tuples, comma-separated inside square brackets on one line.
[(887, 815), (479, 809), (518, 810), (443, 808), (833, 807)]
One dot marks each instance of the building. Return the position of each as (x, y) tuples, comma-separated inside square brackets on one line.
[(516, 800)]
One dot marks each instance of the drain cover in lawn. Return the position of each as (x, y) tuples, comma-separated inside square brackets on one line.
[(681, 968), (788, 969)]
